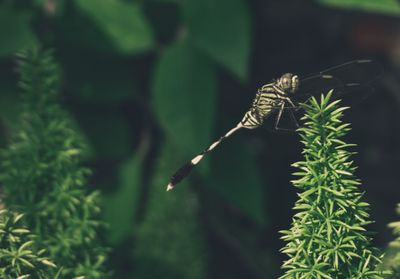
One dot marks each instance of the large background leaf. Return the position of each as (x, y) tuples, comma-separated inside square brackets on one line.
[(15, 31), (184, 97), (95, 121), (170, 239), (121, 206), (221, 29), (123, 23), (89, 78), (235, 175)]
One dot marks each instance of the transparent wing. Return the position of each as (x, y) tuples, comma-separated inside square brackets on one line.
[(351, 81), (356, 71)]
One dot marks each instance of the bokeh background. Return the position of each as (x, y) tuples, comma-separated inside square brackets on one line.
[(150, 83)]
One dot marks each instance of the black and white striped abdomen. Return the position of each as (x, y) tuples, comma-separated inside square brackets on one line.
[(251, 120)]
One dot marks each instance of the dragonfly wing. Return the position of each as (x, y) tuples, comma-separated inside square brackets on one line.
[(314, 86), (354, 77), (351, 82), (358, 71)]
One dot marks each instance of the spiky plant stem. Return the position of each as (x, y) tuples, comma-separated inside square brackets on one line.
[(42, 175), (328, 238)]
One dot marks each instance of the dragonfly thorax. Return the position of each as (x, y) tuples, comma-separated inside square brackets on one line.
[(289, 83)]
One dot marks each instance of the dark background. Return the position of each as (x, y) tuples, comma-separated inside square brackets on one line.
[(150, 83)]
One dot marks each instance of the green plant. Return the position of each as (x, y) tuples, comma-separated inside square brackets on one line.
[(387, 7), (392, 253), (162, 239), (328, 238), (19, 257), (42, 175)]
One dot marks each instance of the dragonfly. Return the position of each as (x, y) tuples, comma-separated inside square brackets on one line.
[(284, 96)]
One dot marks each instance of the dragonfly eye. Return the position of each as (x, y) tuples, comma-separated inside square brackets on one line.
[(286, 82), (295, 83)]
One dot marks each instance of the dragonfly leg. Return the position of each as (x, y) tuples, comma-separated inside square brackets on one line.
[(278, 118), (292, 117), (290, 102)]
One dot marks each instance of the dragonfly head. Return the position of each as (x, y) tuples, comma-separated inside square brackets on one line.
[(288, 82)]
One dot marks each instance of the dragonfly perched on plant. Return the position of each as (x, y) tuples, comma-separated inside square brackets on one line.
[(285, 95)]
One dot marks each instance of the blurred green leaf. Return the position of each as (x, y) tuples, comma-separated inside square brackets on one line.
[(120, 207), (170, 241), (9, 101), (235, 175), (184, 90), (222, 29), (108, 133), (380, 6), (15, 31), (89, 78), (122, 22), (165, 18)]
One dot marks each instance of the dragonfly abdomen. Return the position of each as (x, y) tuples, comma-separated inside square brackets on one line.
[(251, 120)]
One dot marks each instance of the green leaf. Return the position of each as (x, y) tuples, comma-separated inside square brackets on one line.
[(9, 101), (98, 78), (169, 242), (120, 207), (123, 23), (184, 89), (221, 29), (15, 32), (107, 131), (391, 7), (236, 176)]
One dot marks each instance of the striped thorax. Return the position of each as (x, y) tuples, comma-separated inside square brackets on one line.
[(269, 97)]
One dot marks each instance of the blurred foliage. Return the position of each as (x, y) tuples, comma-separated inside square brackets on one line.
[(20, 256), (225, 35), (16, 23), (171, 226), (390, 7), (42, 177), (328, 238), (150, 83), (122, 26), (391, 259), (184, 89), (249, 197), (122, 205)]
